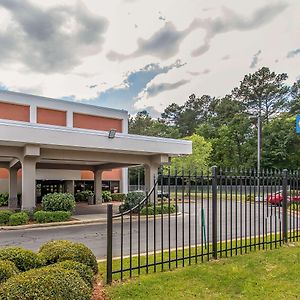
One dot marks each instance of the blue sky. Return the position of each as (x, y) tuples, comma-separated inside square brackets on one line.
[(140, 54)]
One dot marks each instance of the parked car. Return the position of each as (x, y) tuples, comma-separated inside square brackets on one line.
[(277, 198)]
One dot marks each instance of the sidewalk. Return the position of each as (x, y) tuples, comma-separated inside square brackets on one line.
[(83, 214)]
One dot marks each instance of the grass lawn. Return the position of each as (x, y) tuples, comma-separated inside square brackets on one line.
[(271, 274)]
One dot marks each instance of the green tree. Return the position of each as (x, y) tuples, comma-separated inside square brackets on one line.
[(144, 124), (294, 105), (263, 93), (282, 144), (199, 159), (188, 117)]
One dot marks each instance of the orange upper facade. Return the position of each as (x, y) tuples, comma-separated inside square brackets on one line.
[(33, 109)]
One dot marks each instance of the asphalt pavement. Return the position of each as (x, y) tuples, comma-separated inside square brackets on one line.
[(237, 220)]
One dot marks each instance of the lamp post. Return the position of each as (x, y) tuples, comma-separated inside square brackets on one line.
[(258, 154), (258, 150)]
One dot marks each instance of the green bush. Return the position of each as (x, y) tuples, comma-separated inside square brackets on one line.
[(58, 202), (23, 259), (4, 199), (106, 196), (83, 196), (118, 197), (158, 209), (4, 216), (7, 270), (83, 270), (47, 284), (19, 218), (132, 199), (61, 250), (250, 198), (51, 216)]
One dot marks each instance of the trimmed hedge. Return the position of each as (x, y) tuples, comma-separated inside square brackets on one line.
[(61, 250), (106, 196), (83, 196), (58, 202), (48, 284), (18, 219), (85, 272), (4, 199), (7, 270), (42, 216), (4, 216), (132, 199), (118, 197), (23, 259), (158, 209)]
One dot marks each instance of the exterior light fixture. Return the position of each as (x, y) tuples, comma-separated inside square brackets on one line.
[(112, 133)]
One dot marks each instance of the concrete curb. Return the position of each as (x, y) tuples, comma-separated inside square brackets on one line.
[(76, 222), (54, 224)]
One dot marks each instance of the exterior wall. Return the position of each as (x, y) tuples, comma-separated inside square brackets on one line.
[(4, 184), (51, 116), (15, 112), (115, 174), (29, 103), (35, 109), (42, 174), (3, 173), (96, 122)]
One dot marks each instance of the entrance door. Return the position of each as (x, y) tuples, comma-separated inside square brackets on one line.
[(45, 187)]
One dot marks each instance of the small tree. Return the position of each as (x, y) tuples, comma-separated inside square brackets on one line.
[(199, 159)]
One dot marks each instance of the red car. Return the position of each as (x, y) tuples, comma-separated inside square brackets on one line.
[(277, 198)]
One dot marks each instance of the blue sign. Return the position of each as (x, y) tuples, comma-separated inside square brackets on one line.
[(298, 124)]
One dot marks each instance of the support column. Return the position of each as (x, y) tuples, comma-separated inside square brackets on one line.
[(124, 181), (98, 186), (69, 186), (151, 172), (13, 188), (28, 183)]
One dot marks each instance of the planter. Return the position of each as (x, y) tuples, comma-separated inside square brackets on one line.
[(91, 200)]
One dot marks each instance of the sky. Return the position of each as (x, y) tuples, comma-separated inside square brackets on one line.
[(141, 54)]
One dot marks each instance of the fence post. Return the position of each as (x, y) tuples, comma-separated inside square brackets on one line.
[(284, 207), (214, 213), (109, 244)]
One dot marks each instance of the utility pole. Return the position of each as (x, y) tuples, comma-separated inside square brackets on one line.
[(258, 150)]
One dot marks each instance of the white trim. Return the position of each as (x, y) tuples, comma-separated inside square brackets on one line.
[(33, 113), (92, 132), (56, 137)]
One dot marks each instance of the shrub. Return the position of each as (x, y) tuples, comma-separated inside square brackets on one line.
[(83, 270), (250, 198), (118, 197), (58, 202), (132, 199), (83, 196), (7, 270), (4, 216), (23, 259), (19, 218), (158, 209), (106, 196), (51, 216), (48, 284), (61, 250), (4, 199)]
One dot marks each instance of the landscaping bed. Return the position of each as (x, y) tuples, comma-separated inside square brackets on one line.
[(56, 207), (59, 270)]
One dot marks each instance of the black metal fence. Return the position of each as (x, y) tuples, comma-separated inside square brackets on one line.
[(193, 217)]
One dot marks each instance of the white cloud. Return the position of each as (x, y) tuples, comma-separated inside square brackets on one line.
[(228, 48)]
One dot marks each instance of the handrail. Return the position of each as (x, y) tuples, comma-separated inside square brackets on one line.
[(138, 205)]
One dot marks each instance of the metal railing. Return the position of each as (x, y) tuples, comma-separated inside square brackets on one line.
[(203, 216)]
